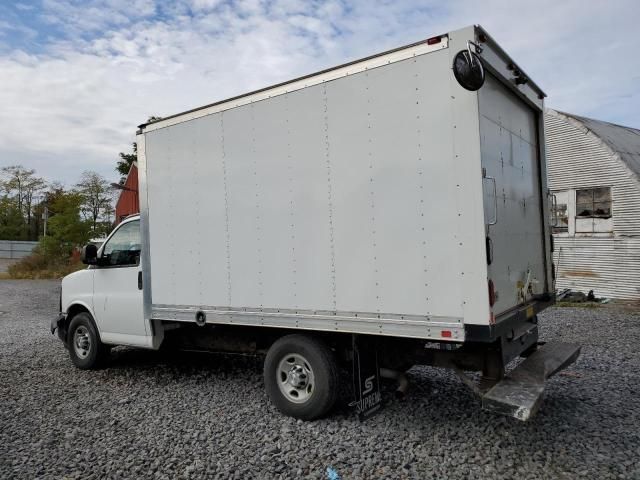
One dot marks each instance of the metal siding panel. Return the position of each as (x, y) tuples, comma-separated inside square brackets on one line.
[(414, 213), (280, 253), (160, 211), (186, 213), (468, 225), (206, 200), (350, 148), (390, 225), (439, 215), (309, 182), (608, 266), (509, 153), (15, 249), (395, 99), (245, 203), (274, 203)]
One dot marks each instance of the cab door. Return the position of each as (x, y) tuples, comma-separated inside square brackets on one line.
[(117, 288)]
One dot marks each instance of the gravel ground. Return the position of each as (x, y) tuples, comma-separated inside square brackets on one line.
[(208, 415)]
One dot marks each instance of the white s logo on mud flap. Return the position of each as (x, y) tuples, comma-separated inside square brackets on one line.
[(368, 385)]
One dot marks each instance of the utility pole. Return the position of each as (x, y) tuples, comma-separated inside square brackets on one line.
[(45, 217)]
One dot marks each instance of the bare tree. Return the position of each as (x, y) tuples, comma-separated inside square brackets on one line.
[(24, 185), (97, 196)]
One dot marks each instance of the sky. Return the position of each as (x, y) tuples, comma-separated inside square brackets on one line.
[(78, 76)]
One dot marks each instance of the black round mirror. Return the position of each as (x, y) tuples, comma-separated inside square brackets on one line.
[(468, 70)]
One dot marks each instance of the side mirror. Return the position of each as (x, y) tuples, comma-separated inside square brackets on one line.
[(89, 255)]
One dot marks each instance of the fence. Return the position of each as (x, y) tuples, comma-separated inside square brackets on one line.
[(16, 249)]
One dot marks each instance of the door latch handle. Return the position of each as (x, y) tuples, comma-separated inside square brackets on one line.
[(140, 280), (494, 220)]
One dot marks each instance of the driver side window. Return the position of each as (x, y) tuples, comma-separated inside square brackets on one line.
[(123, 248)]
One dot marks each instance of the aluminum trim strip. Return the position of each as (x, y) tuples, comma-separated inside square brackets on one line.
[(413, 326), (144, 227)]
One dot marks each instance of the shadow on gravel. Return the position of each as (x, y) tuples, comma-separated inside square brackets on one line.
[(436, 398), (133, 359), (434, 394), (183, 365)]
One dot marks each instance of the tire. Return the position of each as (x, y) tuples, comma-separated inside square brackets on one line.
[(86, 350), (301, 376)]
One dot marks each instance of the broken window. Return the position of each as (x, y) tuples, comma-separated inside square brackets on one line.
[(561, 218), (593, 203), (560, 212), (593, 210)]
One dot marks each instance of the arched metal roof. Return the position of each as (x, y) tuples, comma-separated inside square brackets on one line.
[(624, 141)]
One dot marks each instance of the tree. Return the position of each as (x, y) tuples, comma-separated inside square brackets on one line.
[(11, 221), (96, 195), (126, 159), (104, 227), (32, 188), (23, 186), (66, 230), (13, 179)]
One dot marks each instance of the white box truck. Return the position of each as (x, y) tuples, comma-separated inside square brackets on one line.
[(387, 212)]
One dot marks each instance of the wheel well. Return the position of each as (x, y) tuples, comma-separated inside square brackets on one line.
[(75, 309), (72, 311)]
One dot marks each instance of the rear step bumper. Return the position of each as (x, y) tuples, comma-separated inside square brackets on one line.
[(519, 394)]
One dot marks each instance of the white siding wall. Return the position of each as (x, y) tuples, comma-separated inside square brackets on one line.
[(609, 264)]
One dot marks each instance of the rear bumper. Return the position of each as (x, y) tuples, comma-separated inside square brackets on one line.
[(515, 333), (509, 323)]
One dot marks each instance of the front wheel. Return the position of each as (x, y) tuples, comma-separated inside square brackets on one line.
[(85, 348), (301, 376)]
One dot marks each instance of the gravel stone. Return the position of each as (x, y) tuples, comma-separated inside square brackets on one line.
[(151, 415)]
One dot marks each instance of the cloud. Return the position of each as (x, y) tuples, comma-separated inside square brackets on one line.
[(72, 101), (24, 6), (80, 17)]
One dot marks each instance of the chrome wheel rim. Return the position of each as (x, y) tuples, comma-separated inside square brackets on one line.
[(82, 342), (295, 378)]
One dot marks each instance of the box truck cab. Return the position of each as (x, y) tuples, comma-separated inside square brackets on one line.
[(387, 212), (110, 291)]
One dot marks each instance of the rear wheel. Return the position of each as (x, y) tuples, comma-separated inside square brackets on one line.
[(85, 348), (301, 376)]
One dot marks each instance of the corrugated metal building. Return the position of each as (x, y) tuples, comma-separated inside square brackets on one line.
[(594, 171)]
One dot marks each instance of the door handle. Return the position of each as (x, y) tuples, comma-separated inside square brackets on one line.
[(140, 280), (494, 220)]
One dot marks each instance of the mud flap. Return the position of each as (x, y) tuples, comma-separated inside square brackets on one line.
[(366, 378), (519, 394)]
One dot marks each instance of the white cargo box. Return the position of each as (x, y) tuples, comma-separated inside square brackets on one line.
[(358, 199)]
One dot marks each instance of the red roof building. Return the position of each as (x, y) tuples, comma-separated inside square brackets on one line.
[(128, 202)]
